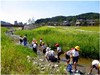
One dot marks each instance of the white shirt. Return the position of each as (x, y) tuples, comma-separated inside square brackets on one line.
[(59, 49), (40, 41), (68, 53), (47, 49), (34, 45), (95, 62), (50, 53), (74, 53)]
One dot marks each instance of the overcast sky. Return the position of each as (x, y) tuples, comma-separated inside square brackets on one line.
[(23, 10)]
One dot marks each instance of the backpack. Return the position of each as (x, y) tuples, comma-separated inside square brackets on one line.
[(69, 67)]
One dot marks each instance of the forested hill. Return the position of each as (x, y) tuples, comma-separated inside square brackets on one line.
[(89, 16), (71, 19)]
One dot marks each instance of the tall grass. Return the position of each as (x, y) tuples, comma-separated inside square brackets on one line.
[(67, 38), (13, 57)]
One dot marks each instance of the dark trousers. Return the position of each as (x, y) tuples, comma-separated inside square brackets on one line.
[(35, 50), (67, 56), (21, 41), (59, 53), (52, 59), (25, 43), (44, 51)]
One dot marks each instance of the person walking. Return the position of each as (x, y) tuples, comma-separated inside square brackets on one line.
[(41, 40), (34, 46), (43, 47), (25, 40), (33, 41), (74, 55), (21, 39), (59, 51)]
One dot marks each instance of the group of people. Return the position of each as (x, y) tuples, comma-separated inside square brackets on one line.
[(49, 54), (71, 56)]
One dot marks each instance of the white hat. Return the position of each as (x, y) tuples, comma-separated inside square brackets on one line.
[(95, 62)]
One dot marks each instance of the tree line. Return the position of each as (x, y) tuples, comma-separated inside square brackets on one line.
[(83, 19)]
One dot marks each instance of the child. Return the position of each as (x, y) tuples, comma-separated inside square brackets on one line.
[(25, 40), (96, 65), (20, 39)]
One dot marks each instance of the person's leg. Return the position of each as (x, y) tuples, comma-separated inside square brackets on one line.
[(67, 58), (33, 49), (25, 43), (75, 60), (44, 51), (59, 55), (75, 67), (98, 71)]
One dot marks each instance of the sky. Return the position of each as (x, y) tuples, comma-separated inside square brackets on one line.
[(22, 10)]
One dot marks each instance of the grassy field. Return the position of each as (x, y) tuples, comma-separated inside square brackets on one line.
[(13, 57), (89, 28), (86, 37)]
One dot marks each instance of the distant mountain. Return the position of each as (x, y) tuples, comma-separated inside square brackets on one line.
[(5, 23), (71, 19)]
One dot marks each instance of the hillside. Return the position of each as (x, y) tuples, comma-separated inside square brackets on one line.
[(71, 19), (14, 57)]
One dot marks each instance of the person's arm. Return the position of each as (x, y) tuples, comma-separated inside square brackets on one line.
[(90, 70), (65, 54)]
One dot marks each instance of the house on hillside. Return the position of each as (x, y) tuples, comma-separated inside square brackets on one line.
[(66, 23), (55, 23), (50, 23), (90, 22), (80, 21)]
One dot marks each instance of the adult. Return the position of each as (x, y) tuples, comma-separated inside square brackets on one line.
[(96, 65)]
